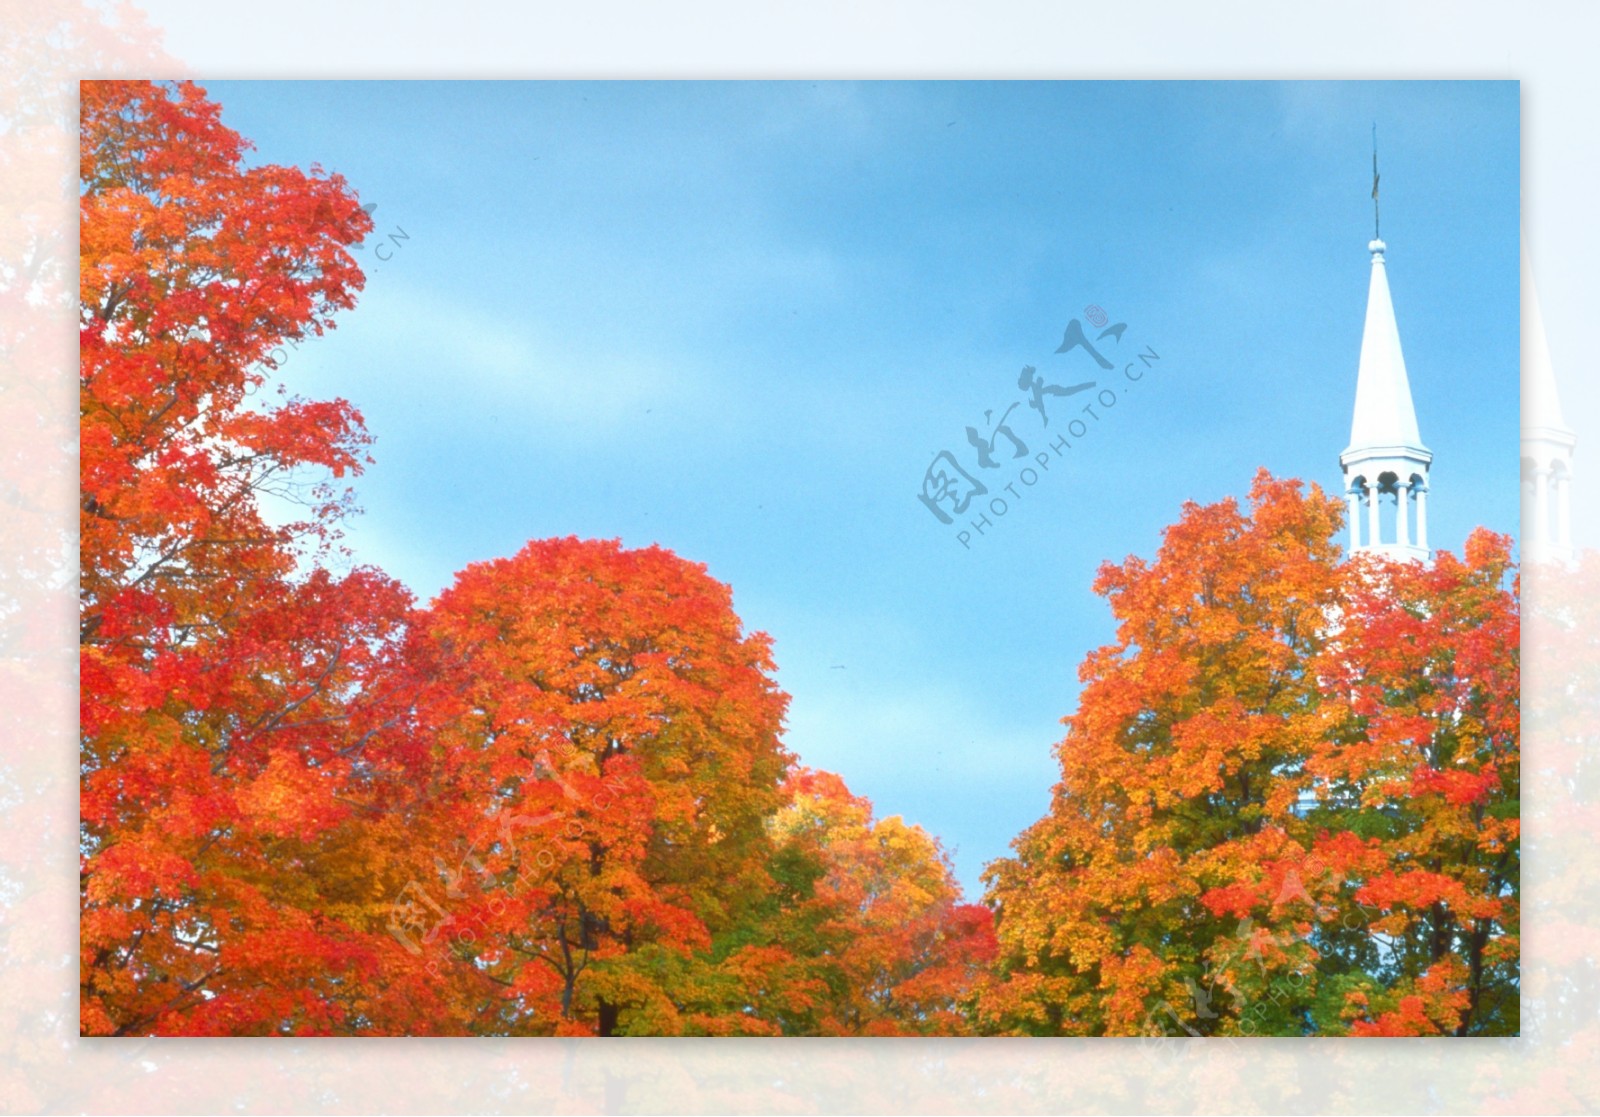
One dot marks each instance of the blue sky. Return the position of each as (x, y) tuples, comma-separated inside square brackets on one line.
[(740, 319)]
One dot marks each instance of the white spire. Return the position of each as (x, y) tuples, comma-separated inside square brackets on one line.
[(1386, 465), (1547, 441), (1384, 414), (1541, 401)]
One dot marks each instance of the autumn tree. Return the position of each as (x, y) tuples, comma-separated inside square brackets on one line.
[(620, 844), (1561, 720), (872, 927), (611, 753), (1288, 795), (234, 710), (1425, 769)]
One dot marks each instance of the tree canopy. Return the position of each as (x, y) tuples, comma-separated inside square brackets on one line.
[(1288, 800), (556, 800)]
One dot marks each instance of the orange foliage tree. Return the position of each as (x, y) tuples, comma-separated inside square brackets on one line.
[(883, 942), (1289, 797), (233, 717), (618, 849), (609, 753)]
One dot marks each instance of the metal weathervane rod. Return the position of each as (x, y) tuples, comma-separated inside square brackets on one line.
[(1375, 235)]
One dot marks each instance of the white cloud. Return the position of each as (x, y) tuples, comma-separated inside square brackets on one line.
[(446, 348)]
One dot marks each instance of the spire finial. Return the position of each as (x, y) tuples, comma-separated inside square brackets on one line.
[(1375, 234)]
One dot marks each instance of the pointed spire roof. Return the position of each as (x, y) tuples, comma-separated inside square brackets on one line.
[(1541, 401), (1385, 416)]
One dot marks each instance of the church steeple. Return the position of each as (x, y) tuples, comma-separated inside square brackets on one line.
[(1547, 441), (1386, 464)]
